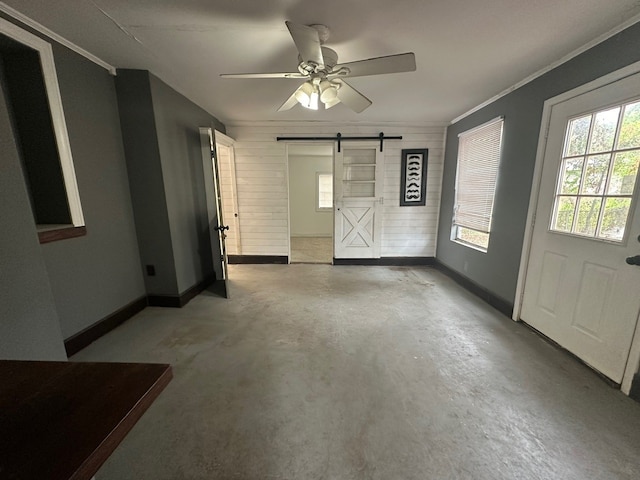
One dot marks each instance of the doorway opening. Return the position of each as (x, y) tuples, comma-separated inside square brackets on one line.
[(310, 171)]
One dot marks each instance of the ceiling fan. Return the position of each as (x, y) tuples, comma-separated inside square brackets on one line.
[(324, 76)]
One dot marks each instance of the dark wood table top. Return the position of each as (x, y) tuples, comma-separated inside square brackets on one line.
[(62, 420)]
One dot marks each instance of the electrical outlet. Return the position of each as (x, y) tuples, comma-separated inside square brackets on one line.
[(151, 270)]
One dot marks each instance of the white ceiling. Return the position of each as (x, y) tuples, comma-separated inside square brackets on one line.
[(466, 50)]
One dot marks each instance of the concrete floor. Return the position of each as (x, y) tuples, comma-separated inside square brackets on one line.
[(329, 372), (312, 250)]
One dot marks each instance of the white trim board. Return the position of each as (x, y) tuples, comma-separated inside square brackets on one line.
[(551, 66), (57, 112), (332, 124), (12, 12), (634, 356)]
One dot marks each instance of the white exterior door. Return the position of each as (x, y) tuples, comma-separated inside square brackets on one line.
[(358, 180), (579, 290)]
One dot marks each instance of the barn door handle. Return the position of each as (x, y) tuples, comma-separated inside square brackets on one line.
[(635, 260), (222, 228)]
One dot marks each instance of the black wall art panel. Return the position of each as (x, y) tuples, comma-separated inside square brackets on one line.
[(413, 177)]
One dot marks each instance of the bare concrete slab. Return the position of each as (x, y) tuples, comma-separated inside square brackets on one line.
[(347, 372)]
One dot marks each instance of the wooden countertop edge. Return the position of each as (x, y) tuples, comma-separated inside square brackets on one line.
[(102, 452)]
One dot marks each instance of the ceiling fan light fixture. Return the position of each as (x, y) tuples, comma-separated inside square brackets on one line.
[(313, 101), (308, 95), (329, 91), (303, 94), (318, 65), (331, 103)]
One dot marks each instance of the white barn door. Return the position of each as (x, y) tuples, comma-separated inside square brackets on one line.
[(359, 174), (580, 288)]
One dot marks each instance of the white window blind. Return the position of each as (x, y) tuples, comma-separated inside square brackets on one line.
[(478, 160)]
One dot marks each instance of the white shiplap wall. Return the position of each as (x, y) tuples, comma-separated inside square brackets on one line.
[(262, 191)]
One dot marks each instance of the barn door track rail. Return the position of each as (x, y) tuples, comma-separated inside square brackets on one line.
[(339, 138)]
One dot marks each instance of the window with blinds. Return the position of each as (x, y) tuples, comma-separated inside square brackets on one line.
[(477, 174), (324, 191)]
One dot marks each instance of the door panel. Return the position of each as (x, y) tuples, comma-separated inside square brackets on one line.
[(228, 190), (552, 275), (356, 228), (217, 227), (358, 201), (579, 291)]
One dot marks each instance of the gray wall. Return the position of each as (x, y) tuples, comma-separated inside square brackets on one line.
[(304, 218), (61, 288), (162, 141), (95, 275), (29, 327), (497, 270), (52, 291), (146, 180), (177, 120)]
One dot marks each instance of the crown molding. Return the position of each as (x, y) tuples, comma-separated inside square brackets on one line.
[(333, 124), (551, 66)]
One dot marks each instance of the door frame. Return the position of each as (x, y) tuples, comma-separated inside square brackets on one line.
[(633, 361), (310, 143)]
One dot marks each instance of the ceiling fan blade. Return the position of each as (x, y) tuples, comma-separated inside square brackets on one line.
[(290, 102), (351, 97), (307, 42), (263, 75), (403, 62)]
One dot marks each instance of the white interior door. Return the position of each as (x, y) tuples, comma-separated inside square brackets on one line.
[(228, 190), (217, 227), (358, 180), (579, 290)]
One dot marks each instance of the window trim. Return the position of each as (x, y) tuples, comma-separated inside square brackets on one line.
[(50, 78), (317, 205), (455, 226)]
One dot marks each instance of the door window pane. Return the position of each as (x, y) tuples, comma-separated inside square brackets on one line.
[(625, 170), (359, 173), (595, 175), (595, 192), (364, 189), (604, 130), (578, 136), (616, 212), (588, 213), (565, 213), (572, 173), (630, 130)]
